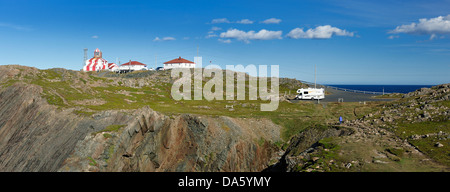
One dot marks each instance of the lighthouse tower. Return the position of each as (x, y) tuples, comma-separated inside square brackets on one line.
[(96, 63)]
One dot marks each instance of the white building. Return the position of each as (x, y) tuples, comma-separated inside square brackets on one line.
[(133, 66), (178, 63), (113, 67)]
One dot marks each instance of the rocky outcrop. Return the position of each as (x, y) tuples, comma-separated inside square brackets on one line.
[(35, 136), (425, 104), (155, 142), (303, 144)]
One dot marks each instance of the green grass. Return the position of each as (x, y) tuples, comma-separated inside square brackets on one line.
[(328, 151), (406, 129), (113, 128), (295, 118), (396, 151), (110, 128), (439, 154), (389, 96), (92, 162)]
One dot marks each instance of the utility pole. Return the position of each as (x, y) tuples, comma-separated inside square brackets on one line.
[(155, 61), (85, 56), (315, 78)]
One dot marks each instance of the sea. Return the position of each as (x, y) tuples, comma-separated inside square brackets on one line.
[(387, 88)]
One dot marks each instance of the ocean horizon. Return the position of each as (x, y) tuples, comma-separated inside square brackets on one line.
[(387, 88)]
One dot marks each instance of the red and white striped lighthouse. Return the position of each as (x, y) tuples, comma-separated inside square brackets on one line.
[(96, 63)]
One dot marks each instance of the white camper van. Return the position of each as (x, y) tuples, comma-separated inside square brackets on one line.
[(310, 93)]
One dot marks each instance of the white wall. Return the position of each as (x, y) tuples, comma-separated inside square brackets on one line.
[(179, 65), (132, 67)]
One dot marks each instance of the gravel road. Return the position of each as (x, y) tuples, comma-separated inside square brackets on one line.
[(347, 96)]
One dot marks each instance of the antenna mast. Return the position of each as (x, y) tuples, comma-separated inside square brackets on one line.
[(85, 56)]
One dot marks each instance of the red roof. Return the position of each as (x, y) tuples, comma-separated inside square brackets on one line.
[(178, 60), (134, 63)]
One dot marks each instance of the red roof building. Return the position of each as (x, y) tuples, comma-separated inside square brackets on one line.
[(113, 66), (134, 63), (179, 63), (133, 66)]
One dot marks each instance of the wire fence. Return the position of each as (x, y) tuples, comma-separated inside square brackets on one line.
[(344, 89)]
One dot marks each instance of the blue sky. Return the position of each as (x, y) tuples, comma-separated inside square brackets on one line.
[(351, 42)]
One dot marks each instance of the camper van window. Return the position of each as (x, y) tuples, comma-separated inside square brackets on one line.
[(306, 92)]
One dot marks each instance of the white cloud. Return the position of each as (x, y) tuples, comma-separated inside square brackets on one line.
[(212, 32), (211, 35), (433, 36), (251, 35), (320, 32), (216, 28), (224, 40), (95, 37), (271, 21), (164, 39), (393, 37), (432, 26), (221, 20), (168, 39), (245, 21), (266, 35)]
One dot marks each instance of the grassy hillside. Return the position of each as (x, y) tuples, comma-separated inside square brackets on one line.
[(420, 118), (88, 93)]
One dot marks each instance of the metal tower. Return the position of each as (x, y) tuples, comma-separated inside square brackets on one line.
[(85, 56)]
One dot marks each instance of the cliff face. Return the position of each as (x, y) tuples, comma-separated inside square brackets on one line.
[(37, 136), (155, 142)]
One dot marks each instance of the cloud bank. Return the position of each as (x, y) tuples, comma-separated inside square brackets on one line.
[(271, 21), (432, 27), (164, 39), (320, 32), (221, 20), (245, 21), (251, 35)]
